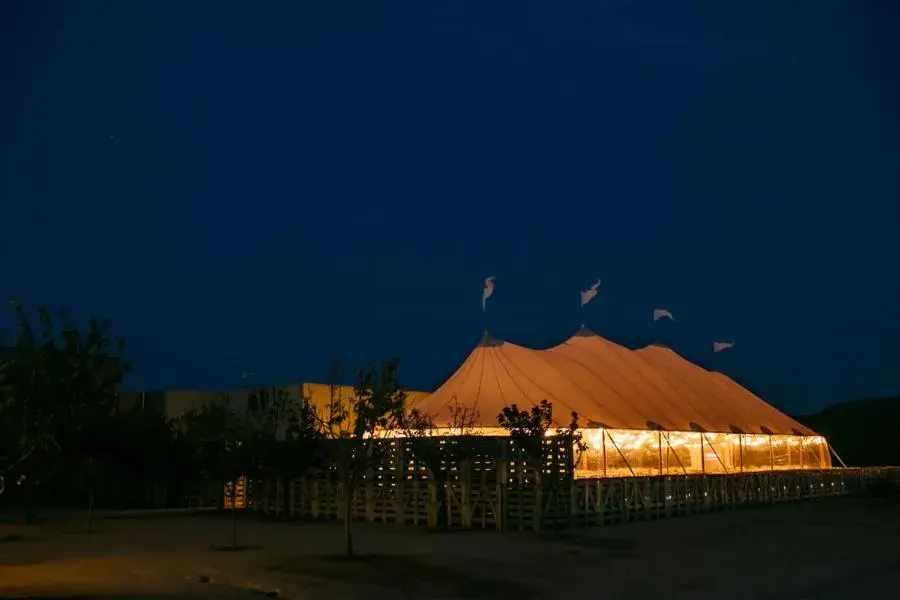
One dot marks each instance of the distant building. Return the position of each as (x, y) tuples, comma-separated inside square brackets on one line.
[(176, 403)]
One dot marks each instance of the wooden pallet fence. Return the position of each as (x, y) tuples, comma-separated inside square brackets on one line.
[(493, 488)]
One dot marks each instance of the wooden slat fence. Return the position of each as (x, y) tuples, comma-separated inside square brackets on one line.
[(494, 489)]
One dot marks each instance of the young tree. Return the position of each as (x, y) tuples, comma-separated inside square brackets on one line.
[(90, 475), (26, 402), (52, 382), (118, 455), (351, 426), (150, 453), (436, 450), (528, 432), (226, 446), (290, 435), (93, 456)]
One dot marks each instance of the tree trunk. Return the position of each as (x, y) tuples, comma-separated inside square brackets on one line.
[(348, 520), (90, 527), (233, 516), (440, 483), (30, 515), (286, 496), (538, 498), (2, 484)]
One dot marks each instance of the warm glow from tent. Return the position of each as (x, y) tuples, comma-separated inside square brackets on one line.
[(646, 412), (617, 453), (633, 453)]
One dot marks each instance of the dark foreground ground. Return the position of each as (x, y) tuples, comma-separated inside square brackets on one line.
[(841, 548)]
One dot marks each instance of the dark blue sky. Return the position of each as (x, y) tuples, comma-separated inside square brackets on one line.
[(268, 185)]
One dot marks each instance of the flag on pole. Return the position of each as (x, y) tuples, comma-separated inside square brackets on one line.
[(662, 313), (719, 346), (589, 294), (487, 292)]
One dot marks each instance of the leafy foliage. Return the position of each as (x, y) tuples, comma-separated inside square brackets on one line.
[(438, 453), (528, 428), (227, 446), (224, 443), (435, 452), (290, 436), (528, 431), (128, 450), (54, 379), (351, 426)]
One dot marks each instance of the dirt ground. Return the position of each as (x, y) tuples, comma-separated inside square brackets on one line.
[(840, 548)]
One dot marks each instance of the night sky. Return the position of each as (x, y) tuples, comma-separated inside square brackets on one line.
[(270, 185)]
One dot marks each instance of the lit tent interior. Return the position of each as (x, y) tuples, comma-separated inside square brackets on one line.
[(644, 412)]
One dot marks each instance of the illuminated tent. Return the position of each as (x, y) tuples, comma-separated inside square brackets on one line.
[(742, 410), (638, 383), (647, 412), (498, 374)]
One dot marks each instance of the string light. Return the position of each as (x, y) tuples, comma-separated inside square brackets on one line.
[(624, 452)]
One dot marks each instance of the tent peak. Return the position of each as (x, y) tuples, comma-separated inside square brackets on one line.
[(583, 331), (658, 344), (487, 340)]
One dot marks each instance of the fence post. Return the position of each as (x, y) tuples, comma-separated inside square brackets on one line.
[(502, 481), (465, 482), (292, 498)]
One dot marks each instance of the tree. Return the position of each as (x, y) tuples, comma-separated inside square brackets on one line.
[(528, 432), (352, 429), (438, 453), (290, 434), (92, 455), (52, 382), (116, 456), (226, 446), (149, 450)]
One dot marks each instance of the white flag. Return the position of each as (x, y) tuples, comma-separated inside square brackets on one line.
[(487, 291), (719, 346), (589, 294), (660, 313)]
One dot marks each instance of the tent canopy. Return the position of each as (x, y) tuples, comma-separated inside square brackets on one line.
[(607, 385), (735, 408), (497, 374)]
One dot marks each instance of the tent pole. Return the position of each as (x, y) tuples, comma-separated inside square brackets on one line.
[(802, 451), (716, 454), (659, 447), (604, 453), (702, 456), (675, 454), (840, 460), (616, 446)]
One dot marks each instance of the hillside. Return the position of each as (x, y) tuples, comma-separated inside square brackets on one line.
[(862, 432)]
